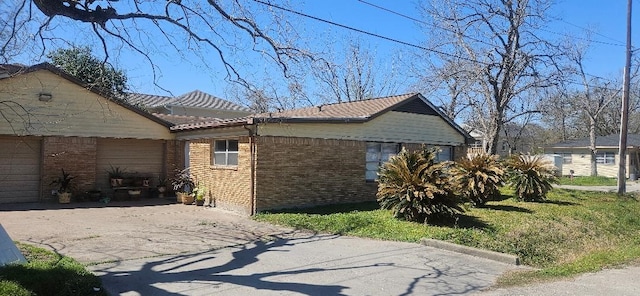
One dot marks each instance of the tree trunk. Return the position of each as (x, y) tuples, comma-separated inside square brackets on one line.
[(592, 146), (494, 138)]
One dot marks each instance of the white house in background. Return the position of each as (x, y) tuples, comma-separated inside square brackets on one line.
[(576, 156), (195, 103)]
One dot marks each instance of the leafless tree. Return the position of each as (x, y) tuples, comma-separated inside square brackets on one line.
[(207, 30), (559, 116), (506, 60), (446, 83), (594, 98), (354, 77), (267, 97)]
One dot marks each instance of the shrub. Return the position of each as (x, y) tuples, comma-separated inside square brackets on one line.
[(183, 182), (477, 178), (416, 188), (531, 176)]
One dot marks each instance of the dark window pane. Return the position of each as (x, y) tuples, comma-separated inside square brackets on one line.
[(221, 145), (233, 145)]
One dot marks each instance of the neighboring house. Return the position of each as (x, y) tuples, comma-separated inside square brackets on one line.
[(576, 155), (479, 144), (311, 156), (513, 139), (195, 103), (50, 121)]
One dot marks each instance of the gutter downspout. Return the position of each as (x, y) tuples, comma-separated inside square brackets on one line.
[(252, 167)]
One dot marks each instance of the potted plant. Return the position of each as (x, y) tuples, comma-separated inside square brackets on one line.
[(162, 187), (183, 186), (64, 187), (116, 176), (199, 193)]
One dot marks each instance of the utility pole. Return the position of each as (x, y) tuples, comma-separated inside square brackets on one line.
[(624, 120)]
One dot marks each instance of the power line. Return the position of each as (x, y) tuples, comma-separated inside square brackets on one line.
[(580, 38), (478, 40), (594, 32), (421, 21), (402, 42), (370, 34), (484, 42)]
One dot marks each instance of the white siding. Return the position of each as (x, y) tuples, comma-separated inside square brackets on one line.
[(72, 111), (20, 169), (395, 127), (581, 163), (134, 156)]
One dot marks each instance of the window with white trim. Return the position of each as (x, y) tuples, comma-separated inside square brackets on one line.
[(378, 154), (225, 153), (605, 158), (567, 157)]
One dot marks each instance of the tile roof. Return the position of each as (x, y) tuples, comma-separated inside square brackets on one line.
[(183, 119), (359, 110), (195, 99), (602, 141), (213, 123)]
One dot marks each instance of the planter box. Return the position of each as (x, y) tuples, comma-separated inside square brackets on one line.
[(64, 197), (184, 198)]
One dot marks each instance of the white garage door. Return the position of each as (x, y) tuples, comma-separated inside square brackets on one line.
[(134, 156), (19, 169)]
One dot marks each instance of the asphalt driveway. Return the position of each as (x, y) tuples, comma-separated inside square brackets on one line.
[(152, 247)]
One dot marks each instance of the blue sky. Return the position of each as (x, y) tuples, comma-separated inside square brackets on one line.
[(606, 20)]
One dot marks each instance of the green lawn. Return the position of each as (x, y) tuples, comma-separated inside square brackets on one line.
[(589, 181), (47, 273), (571, 233)]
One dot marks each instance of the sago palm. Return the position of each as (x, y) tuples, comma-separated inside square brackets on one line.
[(478, 178), (416, 188), (531, 176)]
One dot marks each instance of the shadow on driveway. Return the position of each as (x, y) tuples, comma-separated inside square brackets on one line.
[(304, 264)]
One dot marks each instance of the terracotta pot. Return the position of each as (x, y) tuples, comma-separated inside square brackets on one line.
[(184, 198)]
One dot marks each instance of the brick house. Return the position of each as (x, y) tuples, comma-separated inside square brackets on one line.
[(51, 121), (318, 155)]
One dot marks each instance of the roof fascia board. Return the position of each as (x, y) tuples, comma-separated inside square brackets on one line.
[(226, 132)]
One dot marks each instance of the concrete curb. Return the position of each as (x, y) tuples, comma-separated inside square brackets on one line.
[(491, 255)]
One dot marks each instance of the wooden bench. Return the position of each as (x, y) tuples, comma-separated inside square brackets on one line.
[(131, 184)]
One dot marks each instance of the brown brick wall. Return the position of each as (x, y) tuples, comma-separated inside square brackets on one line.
[(75, 155), (228, 188), (174, 157), (290, 172), (78, 156), (300, 172)]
